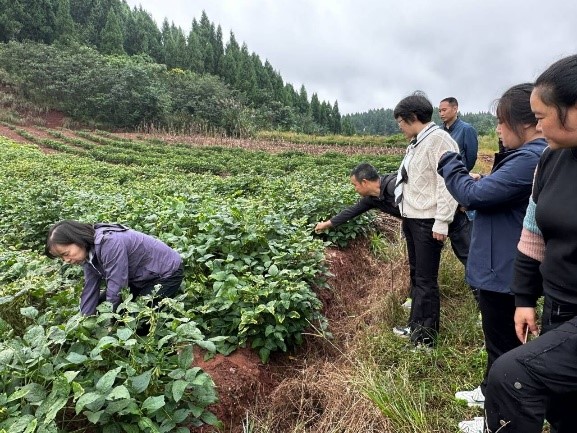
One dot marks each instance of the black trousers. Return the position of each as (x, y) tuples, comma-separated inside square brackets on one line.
[(169, 286), (460, 235), (424, 253), (497, 315), (537, 380)]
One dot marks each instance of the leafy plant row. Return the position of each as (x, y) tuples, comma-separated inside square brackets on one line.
[(252, 266)]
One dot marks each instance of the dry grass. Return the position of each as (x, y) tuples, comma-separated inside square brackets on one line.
[(321, 400)]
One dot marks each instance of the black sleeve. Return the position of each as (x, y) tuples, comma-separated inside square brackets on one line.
[(363, 205), (527, 281)]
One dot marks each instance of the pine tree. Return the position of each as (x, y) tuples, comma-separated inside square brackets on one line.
[(64, 30), (231, 62), (336, 119), (316, 108), (111, 37), (194, 54), (303, 101)]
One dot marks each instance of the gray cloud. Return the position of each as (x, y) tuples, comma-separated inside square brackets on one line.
[(368, 54)]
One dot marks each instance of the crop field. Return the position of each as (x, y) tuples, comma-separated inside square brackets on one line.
[(241, 219)]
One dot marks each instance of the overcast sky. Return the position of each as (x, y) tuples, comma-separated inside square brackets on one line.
[(368, 54)]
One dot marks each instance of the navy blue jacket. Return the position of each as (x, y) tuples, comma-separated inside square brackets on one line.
[(500, 199), (466, 137)]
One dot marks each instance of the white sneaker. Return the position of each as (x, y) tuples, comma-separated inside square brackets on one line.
[(402, 332), (473, 398), (476, 425), (407, 304), (422, 348)]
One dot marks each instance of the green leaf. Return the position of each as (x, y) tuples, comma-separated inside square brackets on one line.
[(140, 383), (18, 394), (54, 409), (94, 417), (77, 389), (146, 423), (152, 404), (70, 375), (207, 345), (185, 357), (31, 428), (118, 392), (86, 399), (273, 270), (180, 415), (130, 428), (21, 423), (178, 388), (30, 312), (35, 336), (264, 354), (113, 407), (209, 418), (191, 373), (6, 356), (105, 383), (36, 393), (124, 333), (111, 428)]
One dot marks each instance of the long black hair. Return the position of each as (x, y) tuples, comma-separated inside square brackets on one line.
[(68, 232), (514, 109)]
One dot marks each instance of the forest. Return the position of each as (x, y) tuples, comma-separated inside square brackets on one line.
[(101, 62)]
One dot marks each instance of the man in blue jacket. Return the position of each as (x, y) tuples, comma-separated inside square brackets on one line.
[(462, 132)]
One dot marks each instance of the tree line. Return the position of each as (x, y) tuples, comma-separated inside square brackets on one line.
[(382, 122), (253, 92), (111, 27)]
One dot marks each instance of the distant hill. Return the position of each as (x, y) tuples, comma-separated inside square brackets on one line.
[(382, 122)]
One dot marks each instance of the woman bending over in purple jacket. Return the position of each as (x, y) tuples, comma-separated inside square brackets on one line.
[(118, 256)]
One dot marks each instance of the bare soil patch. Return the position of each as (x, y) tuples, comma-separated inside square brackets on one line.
[(30, 123)]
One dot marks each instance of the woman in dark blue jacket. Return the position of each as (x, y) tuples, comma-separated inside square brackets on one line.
[(500, 200)]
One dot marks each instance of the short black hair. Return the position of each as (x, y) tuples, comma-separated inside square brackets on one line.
[(365, 171), (415, 106), (451, 100), (68, 232)]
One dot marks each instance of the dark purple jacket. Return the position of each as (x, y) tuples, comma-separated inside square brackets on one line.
[(123, 257)]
